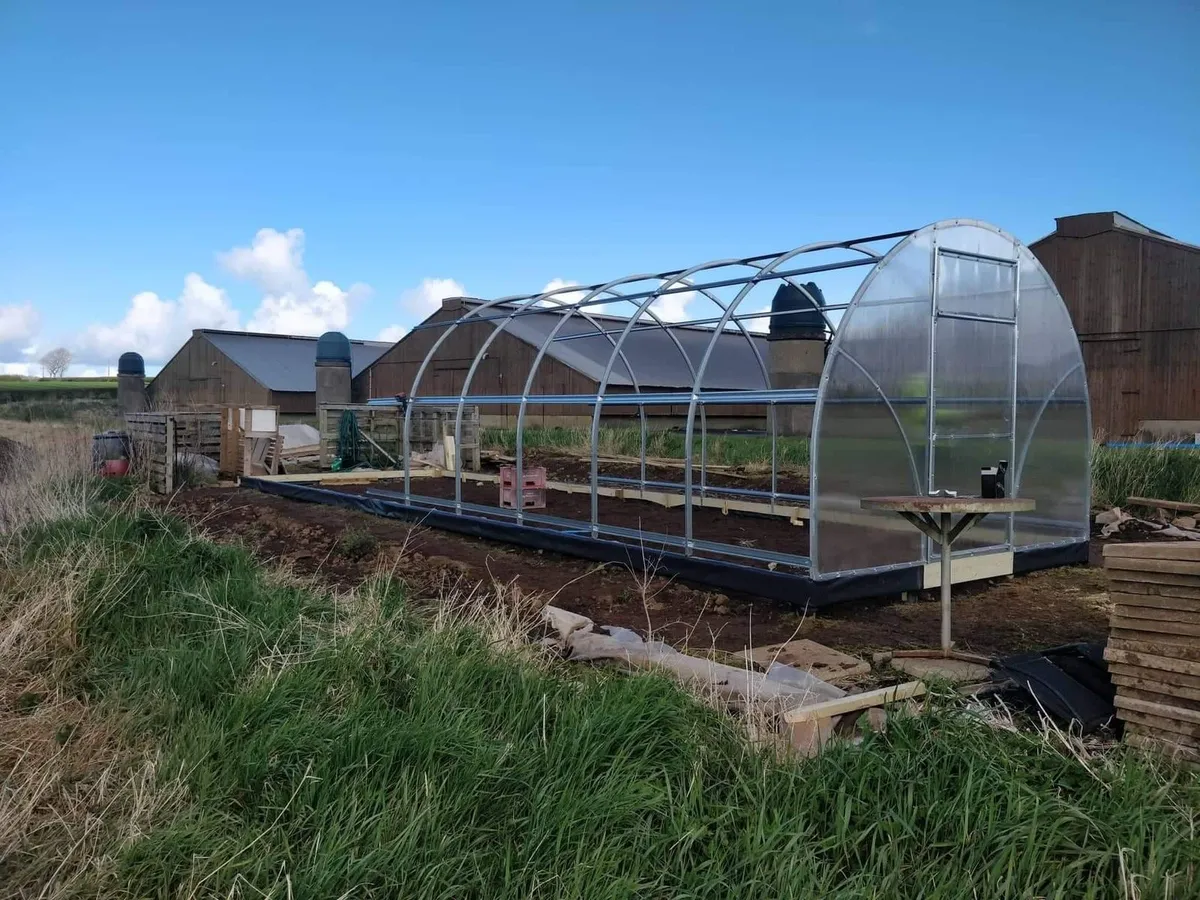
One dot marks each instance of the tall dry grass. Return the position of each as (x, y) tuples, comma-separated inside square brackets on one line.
[(74, 787), (46, 474)]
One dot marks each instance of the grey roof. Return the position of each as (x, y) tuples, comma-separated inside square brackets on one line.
[(282, 362), (652, 354), (1087, 224)]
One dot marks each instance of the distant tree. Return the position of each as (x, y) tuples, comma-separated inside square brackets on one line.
[(56, 361)]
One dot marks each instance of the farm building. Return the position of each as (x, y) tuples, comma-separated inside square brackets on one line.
[(574, 362), (246, 368), (1134, 297)]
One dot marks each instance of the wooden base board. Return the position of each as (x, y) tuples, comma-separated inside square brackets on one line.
[(970, 568), (831, 708), (364, 476), (795, 514)]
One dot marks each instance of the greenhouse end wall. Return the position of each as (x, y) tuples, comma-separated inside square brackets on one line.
[(956, 353)]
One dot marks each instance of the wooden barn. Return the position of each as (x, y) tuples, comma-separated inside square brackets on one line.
[(216, 367), (1134, 297), (574, 364)]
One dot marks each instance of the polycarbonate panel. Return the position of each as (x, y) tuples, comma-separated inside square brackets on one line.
[(972, 378), (967, 284), (870, 439), (869, 434), (1053, 429)]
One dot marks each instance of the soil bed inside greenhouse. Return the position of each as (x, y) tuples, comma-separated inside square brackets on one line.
[(1006, 615)]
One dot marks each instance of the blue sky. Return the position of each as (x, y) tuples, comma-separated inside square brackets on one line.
[(308, 165)]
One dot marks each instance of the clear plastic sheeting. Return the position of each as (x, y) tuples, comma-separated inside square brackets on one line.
[(956, 353)]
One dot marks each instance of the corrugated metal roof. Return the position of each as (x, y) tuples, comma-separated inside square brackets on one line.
[(283, 362), (655, 359)]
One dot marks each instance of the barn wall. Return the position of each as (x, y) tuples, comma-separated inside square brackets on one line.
[(1135, 303), (505, 371), (201, 375), (295, 403)]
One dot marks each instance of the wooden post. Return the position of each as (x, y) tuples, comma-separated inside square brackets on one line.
[(322, 422), (169, 462)]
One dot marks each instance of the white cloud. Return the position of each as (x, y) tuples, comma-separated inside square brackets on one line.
[(155, 327), (565, 297), (274, 261), (426, 298), (291, 304), (392, 333), (422, 301), (18, 326)]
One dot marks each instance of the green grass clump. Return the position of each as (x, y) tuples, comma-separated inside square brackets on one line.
[(356, 543), (1162, 473), (332, 747)]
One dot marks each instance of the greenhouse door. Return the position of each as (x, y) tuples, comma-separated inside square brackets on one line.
[(972, 392)]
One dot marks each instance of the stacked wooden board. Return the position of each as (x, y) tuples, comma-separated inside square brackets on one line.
[(1154, 643)]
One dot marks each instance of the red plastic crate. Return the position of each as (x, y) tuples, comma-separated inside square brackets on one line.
[(533, 477), (533, 487), (531, 498)]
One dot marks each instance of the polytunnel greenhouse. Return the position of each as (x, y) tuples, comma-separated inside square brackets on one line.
[(893, 364)]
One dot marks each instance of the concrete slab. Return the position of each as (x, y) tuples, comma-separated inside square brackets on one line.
[(954, 670), (808, 656)]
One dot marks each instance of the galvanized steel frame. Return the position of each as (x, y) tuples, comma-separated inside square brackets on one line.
[(503, 311)]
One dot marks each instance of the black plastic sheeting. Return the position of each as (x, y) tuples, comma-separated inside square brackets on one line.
[(1071, 683), (799, 591)]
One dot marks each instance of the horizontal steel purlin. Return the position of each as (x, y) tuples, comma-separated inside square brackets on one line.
[(798, 396)]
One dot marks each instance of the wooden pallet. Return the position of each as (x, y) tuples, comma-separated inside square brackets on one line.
[(1154, 644)]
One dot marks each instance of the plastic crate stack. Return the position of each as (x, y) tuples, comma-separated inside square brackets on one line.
[(533, 487), (1153, 648)]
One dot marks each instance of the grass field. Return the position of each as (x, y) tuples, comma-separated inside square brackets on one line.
[(179, 721), (40, 385), (1117, 472)]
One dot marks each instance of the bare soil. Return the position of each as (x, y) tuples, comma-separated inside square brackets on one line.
[(1007, 615), (750, 531)]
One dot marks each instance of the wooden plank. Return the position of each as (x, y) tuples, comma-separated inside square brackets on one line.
[(1169, 550), (1164, 578), (1136, 686), (668, 499), (969, 568), (361, 477), (1188, 567), (1162, 649), (1182, 616), (1180, 668), (854, 702), (1155, 601), (169, 480), (809, 656), (1157, 675), (1146, 587), (1172, 726), (1162, 710), (1178, 629), (1161, 744), (1151, 503), (1182, 645)]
